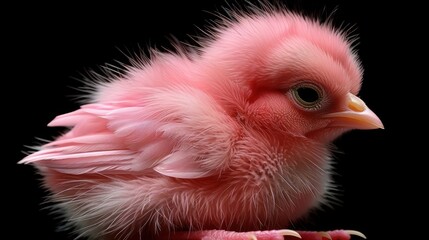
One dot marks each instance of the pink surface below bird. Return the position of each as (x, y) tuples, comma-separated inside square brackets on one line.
[(230, 141)]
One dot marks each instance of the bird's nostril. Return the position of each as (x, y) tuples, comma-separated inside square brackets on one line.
[(355, 104), (356, 107)]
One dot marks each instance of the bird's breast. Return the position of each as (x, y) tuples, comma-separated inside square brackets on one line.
[(265, 186)]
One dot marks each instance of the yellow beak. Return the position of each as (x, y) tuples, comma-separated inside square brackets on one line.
[(356, 115)]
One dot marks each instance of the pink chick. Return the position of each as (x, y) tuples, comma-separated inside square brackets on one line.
[(230, 140)]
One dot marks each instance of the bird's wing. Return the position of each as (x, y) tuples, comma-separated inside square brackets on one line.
[(175, 134)]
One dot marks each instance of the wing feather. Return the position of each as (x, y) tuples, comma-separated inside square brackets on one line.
[(178, 133)]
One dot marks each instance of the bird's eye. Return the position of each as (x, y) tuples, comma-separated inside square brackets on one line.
[(307, 95)]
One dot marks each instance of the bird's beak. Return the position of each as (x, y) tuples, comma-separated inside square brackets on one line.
[(355, 116)]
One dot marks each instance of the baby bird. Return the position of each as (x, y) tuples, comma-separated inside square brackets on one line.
[(229, 140)]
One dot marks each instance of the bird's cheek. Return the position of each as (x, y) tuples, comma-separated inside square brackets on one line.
[(321, 132), (272, 111)]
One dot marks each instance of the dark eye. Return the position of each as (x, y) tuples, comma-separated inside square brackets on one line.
[(307, 95)]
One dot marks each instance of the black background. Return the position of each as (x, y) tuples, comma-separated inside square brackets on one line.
[(48, 46)]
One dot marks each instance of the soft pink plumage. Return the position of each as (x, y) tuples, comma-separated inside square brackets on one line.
[(217, 138)]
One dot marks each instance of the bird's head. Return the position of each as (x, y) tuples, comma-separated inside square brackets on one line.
[(293, 75)]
